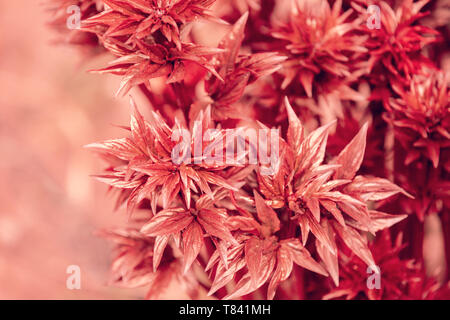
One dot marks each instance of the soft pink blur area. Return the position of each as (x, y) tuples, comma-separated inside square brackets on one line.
[(49, 206)]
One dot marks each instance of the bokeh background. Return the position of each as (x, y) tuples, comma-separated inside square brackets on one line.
[(49, 206)]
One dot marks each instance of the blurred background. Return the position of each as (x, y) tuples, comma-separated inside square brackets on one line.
[(49, 206)]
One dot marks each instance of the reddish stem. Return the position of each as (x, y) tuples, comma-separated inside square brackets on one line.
[(445, 220)]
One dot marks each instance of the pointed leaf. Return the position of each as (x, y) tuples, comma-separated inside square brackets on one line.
[(266, 215), (355, 241), (214, 223), (282, 271), (302, 257), (374, 189), (352, 156), (253, 256), (379, 221), (192, 243), (167, 222), (158, 250), (295, 130)]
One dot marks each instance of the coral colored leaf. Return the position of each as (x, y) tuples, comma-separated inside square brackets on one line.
[(243, 287), (224, 276), (233, 90), (374, 189), (352, 156), (222, 249), (161, 282), (139, 130), (167, 222), (192, 243), (267, 265), (266, 215), (329, 259), (242, 223), (117, 181), (215, 179), (185, 185), (178, 72), (356, 242), (253, 257), (263, 64), (232, 42), (320, 233), (170, 189), (304, 227), (313, 206), (379, 221), (282, 271), (247, 285), (306, 78), (214, 223), (158, 250), (302, 257), (121, 148), (339, 293), (137, 279), (359, 213), (331, 207), (313, 148), (295, 131), (133, 200)]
